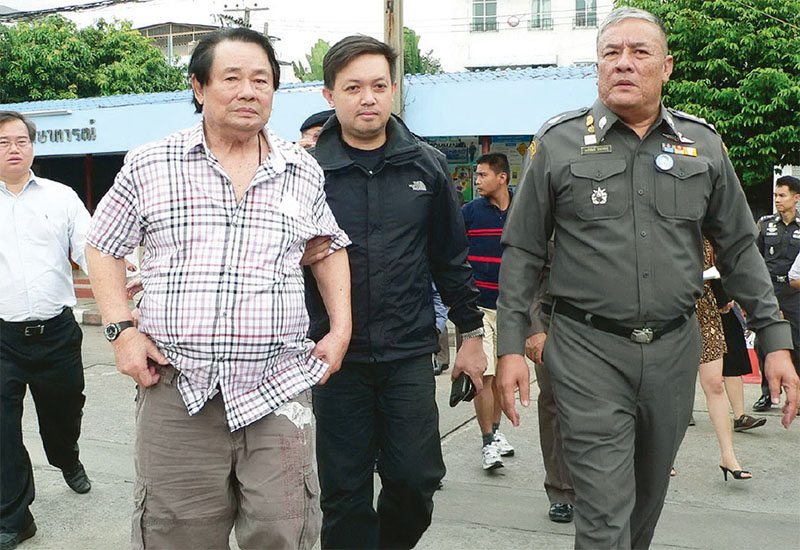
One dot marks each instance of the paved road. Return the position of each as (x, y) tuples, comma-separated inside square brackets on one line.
[(507, 509)]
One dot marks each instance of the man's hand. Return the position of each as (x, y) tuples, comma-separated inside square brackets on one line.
[(534, 346), (316, 250), (471, 360), (780, 373), (134, 354), (331, 349), (727, 307), (133, 287), (512, 373)]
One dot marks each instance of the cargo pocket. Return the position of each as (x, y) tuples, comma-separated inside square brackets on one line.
[(139, 497), (682, 191), (600, 189), (312, 515)]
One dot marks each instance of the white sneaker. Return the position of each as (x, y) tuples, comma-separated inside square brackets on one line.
[(491, 457), (503, 445)]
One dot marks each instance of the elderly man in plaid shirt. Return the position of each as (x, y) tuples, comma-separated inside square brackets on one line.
[(224, 211)]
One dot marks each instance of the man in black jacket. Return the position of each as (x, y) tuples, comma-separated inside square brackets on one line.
[(393, 196)]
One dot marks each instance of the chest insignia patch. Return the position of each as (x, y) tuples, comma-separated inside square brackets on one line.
[(679, 149), (771, 250), (796, 234), (664, 162), (599, 196), (417, 186), (589, 139)]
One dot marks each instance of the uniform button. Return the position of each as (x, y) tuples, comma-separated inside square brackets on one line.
[(599, 174), (372, 359), (640, 191), (645, 275), (643, 233)]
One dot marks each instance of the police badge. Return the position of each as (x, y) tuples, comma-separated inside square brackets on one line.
[(599, 196)]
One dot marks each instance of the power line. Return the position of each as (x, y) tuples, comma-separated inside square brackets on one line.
[(32, 14)]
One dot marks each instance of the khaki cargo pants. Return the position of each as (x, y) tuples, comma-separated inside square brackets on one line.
[(195, 479)]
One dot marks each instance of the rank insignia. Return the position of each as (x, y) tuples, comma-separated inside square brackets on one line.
[(603, 121), (599, 196), (679, 149), (589, 120), (532, 149)]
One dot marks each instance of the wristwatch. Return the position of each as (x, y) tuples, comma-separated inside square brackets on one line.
[(472, 333), (113, 330)]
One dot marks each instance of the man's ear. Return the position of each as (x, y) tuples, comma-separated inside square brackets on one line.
[(326, 93), (198, 89)]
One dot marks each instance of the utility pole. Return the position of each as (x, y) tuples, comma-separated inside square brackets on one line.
[(393, 35)]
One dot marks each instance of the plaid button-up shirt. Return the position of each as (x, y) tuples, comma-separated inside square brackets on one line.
[(223, 286)]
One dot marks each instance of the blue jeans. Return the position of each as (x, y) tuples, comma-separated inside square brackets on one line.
[(384, 411)]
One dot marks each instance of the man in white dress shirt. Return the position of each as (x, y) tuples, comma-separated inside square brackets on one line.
[(43, 223)]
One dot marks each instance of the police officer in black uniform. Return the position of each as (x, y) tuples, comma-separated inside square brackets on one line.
[(779, 242)]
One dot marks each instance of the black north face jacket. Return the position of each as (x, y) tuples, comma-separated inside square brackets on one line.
[(405, 224)]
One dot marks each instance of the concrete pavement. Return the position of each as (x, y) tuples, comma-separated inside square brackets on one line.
[(504, 509)]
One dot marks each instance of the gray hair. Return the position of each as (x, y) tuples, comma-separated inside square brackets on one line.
[(620, 14), (8, 116)]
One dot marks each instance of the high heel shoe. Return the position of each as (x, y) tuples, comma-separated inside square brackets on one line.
[(737, 474)]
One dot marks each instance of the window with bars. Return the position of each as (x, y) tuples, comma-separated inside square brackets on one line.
[(585, 13), (484, 15), (541, 16)]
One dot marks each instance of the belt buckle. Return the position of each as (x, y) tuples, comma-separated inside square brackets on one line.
[(780, 279), (642, 335), (34, 330)]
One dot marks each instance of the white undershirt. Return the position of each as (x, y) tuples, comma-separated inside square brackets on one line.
[(39, 228)]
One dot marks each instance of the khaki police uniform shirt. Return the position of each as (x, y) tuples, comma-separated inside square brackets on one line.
[(628, 216)]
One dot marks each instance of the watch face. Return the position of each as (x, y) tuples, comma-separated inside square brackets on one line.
[(111, 332)]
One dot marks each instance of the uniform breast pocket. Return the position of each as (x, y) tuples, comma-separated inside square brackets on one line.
[(772, 246), (600, 190), (682, 192)]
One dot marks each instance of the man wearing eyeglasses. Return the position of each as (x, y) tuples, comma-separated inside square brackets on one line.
[(43, 224)]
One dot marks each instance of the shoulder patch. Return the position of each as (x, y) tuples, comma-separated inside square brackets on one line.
[(559, 119), (687, 116)]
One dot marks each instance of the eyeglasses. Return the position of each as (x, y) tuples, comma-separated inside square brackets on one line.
[(21, 143)]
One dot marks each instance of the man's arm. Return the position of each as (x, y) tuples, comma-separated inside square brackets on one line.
[(79, 227), (525, 235), (794, 273), (132, 349), (448, 248), (333, 280), (744, 275)]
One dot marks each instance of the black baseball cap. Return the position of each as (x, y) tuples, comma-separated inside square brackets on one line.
[(317, 119)]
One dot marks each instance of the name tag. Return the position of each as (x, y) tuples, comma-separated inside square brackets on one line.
[(595, 149)]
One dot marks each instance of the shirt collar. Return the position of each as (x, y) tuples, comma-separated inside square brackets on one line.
[(31, 180), (605, 118), (280, 153)]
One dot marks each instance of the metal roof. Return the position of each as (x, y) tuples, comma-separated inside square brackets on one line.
[(474, 103)]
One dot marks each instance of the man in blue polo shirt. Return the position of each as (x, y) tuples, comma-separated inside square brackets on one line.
[(484, 218)]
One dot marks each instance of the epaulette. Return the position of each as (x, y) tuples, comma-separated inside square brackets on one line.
[(687, 116), (558, 119), (766, 217)]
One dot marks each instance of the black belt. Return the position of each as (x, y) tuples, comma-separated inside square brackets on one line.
[(644, 335), (36, 328)]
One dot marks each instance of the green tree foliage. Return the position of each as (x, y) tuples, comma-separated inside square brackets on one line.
[(50, 58), (737, 64), (414, 61), (314, 59)]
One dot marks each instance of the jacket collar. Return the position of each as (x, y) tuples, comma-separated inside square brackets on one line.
[(604, 118), (401, 145)]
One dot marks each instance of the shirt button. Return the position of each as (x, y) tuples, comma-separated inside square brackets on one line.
[(640, 191), (224, 313), (643, 233)]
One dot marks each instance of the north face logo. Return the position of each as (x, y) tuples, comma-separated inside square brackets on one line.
[(417, 186)]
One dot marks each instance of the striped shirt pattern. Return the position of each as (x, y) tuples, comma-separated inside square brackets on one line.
[(223, 286), (484, 223)]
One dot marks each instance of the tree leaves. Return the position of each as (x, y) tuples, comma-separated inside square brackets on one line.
[(737, 64), (50, 58)]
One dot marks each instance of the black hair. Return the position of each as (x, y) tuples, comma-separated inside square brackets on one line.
[(7, 116), (498, 162), (791, 182), (350, 47), (203, 55)]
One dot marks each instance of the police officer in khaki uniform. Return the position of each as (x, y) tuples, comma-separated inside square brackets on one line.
[(779, 242), (629, 187)]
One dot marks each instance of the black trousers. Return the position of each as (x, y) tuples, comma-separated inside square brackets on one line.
[(789, 302), (50, 363), (385, 411)]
